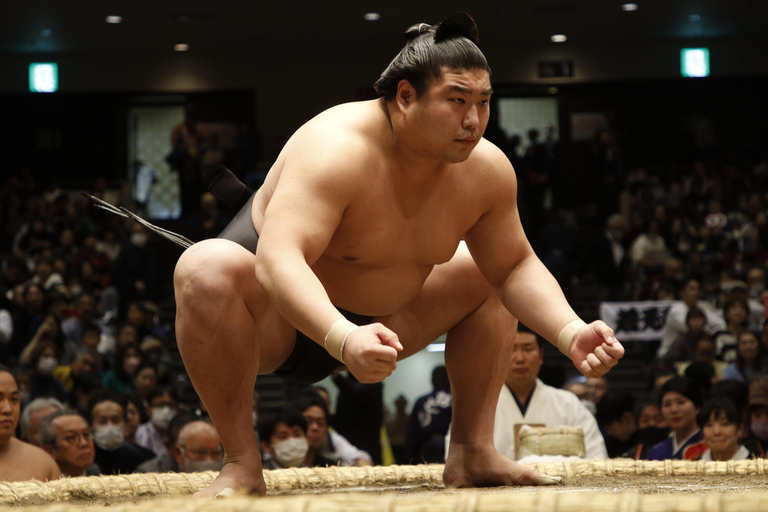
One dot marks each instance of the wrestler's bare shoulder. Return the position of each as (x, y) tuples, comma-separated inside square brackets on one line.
[(27, 462)]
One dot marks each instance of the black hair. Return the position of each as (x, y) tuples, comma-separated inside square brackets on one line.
[(613, 406), (695, 312), (452, 44), (524, 328), (734, 391), (309, 398), (178, 422), (719, 408), (440, 377), (641, 404), (107, 395), (162, 390), (287, 414), (683, 385), (119, 358)]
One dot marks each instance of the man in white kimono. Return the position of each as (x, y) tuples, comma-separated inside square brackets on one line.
[(525, 399)]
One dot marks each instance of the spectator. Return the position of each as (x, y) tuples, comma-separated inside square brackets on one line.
[(33, 413), (397, 425), (198, 448), (615, 416), (598, 387), (749, 359), (326, 447), (48, 332), (526, 399), (208, 221), (113, 455), (126, 361), (19, 461), (608, 259), (684, 347), (680, 401), (736, 315), (134, 272), (430, 421), (66, 436), (145, 382), (135, 415), (167, 463), (283, 437), (757, 411), (360, 413), (722, 427), (704, 352), (44, 360), (86, 362), (85, 315), (153, 434), (675, 325)]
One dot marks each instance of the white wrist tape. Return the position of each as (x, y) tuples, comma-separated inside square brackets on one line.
[(567, 333), (337, 337)]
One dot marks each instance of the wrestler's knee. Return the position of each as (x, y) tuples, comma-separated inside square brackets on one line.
[(209, 269)]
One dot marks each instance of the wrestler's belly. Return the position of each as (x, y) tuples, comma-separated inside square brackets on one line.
[(371, 291)]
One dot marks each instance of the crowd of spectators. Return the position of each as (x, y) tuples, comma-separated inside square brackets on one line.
[(81, 336)]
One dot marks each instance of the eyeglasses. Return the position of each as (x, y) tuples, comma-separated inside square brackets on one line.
[(216, 454), (74, 439)]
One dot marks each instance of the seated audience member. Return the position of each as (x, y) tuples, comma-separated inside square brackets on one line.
[(326, 448), (283, 437), (429, 422), (43, 384), (525, 399), (757, 411), (704, 352), (66, 436), (734, 391), (19, 461), (198, 448), (685, 345), (126, 361), (113, 455), (578, 386), (722, 427), (86, 361), (82, 392), (74, 327), (167, 463), (33, 413), (703, 375), (749, 359), (614, 414), (680, 401), (598, 387), (675, 324), (740, 290), (153, 434), (736, 315), (145, 381), (135, 415), (648, 414), (651, 428)]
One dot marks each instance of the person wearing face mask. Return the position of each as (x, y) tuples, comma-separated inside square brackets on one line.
[(198, 448), (126, 362), (107, 419), (153, 434), (283, 437), (134, 272), (44, 361), (757, 418)]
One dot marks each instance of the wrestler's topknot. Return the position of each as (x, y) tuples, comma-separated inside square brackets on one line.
[(452, 44)]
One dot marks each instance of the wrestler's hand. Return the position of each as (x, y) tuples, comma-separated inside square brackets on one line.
[(595, 350), (371, 353)]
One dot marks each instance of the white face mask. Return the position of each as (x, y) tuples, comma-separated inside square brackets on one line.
[(291, 452), (162, 416), (139, 239), (46, 365), (109, 437), (194, 466)]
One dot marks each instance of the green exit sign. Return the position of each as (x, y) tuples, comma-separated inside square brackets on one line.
[(43, 77), (694, 62)]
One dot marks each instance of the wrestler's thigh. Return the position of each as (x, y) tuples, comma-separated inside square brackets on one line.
[(452, 291), (221, 274)]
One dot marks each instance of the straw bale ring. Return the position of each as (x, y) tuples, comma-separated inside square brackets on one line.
[(617, 485)]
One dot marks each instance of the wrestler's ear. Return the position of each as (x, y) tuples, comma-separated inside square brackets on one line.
[(405, 95)]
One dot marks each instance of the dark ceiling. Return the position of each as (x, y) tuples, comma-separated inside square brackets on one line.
[(78, 26)]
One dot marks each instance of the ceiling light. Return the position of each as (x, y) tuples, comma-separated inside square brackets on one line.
[(629, 7), (181, 47), (694, 17), (559, 38), (114, 19), (372, 16)]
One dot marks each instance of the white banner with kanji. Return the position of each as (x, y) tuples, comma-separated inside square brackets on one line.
[(636, 321)]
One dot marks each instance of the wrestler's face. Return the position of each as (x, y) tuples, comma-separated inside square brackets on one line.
[(448, 120), (527, 359), (10, 406)]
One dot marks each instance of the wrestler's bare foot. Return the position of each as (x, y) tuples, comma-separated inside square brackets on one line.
[(238, 477), (485, 467)]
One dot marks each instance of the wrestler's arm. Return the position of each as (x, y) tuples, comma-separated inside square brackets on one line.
[(315, 187), (526, 287)]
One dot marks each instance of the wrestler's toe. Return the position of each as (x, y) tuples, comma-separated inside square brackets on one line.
[(549, 480)]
